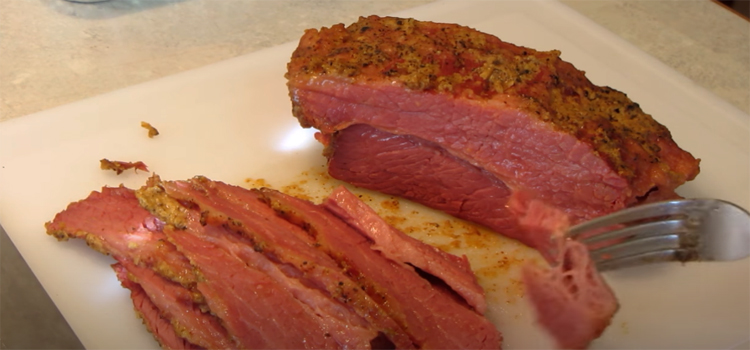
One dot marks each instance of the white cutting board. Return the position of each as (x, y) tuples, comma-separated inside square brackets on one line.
[(231, 120)]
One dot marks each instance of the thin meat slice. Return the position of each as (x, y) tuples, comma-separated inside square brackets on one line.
[(348, 329), (406, 166), (397, 246), (175, 304), (159, 327), (284, 243), (112, 222), (527, 117), (571, 299), (433, 316), (258, 312)]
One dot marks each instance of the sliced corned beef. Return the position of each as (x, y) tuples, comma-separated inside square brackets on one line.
[(260, 269), (527, 117), (399, 247), (160, 327), (433, 316), (175, 304), (112, 222), (258, 312), (344, 326), (285, 243)]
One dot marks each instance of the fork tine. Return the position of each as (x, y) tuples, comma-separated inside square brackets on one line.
[(636, 247), (636, 231), (632, 214), (642, 259)]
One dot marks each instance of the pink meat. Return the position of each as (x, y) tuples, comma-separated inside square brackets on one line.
[(229, 267), (571, 299), (348, 329), (160, 327), (421, 171), (519, 151), (528, 118), (258, 312), (175, 304), (284, 243), (399, 247), (112, 222), (433, 316), (463, 122)]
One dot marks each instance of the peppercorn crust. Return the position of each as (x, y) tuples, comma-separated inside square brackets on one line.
[(460, 61)]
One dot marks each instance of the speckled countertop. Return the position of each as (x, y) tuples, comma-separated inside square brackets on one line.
[(54, 52)]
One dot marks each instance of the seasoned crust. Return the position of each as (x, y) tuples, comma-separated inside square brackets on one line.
[(463, 62)]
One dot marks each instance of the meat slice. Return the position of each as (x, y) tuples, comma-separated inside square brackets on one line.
[(175, 304), (284, 243), (399, 247), (527, 117), (258, 312), (345, 327), (158, 326), (433, 316), (112, 222)]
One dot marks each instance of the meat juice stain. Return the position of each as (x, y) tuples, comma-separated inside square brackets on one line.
[(257, 182), (624, 327), (496, 260)]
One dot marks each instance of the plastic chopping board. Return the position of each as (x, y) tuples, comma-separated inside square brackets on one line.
[(232, 120)]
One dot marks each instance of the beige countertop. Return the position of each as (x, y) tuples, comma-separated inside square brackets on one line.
[(54, 52)]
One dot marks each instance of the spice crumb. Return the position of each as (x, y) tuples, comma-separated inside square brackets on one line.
[(120, 166), (151, 130)]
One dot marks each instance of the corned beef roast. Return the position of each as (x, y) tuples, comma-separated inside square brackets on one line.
[(215, 266), (459, 120)]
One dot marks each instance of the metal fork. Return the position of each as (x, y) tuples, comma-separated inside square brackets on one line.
[(677, 230)]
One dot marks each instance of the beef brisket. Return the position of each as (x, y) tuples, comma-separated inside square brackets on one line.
[(528, 118)]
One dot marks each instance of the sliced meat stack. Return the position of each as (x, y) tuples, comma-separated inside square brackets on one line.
[(459, 120), (210, 265)]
